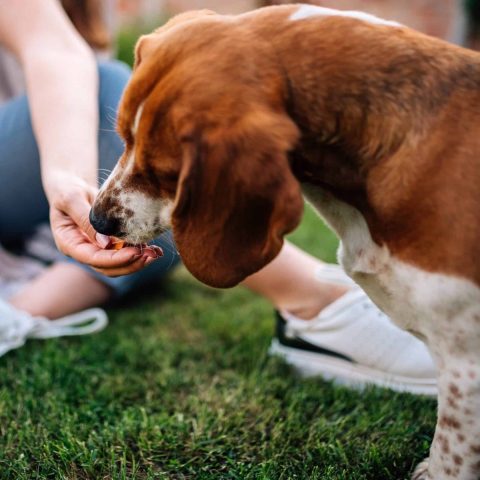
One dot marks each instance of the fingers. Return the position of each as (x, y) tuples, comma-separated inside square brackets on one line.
[(135, 266), (96, 257), (113, 263), (75, 237), (72, 242), (79, 212), (158, 250), (149, 255), (75, 207)]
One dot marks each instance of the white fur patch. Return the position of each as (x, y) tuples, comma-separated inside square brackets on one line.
[(424, 302), (444, 310), (143, 217), (136, 121), (128, 167), (151, 216), (165, 214), (309, 11)]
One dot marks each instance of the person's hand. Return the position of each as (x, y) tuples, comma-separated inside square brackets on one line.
[(69, 217)]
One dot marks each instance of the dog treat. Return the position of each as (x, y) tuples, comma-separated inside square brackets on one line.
[(117, 244)]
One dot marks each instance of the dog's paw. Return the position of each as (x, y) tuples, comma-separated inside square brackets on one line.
[(421, 472)]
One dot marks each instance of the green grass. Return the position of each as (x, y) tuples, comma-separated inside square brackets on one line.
[(180, 386)]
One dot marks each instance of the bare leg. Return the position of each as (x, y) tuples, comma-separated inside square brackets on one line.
[(289, 283), (64, 288)]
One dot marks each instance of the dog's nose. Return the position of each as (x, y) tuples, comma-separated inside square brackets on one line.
[(103, 224)]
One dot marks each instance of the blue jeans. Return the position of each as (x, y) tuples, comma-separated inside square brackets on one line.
[(23, 204)]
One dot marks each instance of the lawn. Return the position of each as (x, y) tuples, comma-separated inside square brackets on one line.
[(180, 386)]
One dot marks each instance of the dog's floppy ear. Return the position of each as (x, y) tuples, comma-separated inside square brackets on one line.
[(143, 48), (236, 197)]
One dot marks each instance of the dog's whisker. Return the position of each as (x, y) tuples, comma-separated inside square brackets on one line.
[(114, 110), (170, 247), (110, 111)]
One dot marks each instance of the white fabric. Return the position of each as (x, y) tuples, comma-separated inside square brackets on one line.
[(17, 326), (41, 245), (16, 271), (38, 251)]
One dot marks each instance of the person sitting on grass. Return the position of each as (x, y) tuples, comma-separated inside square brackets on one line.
[(57, 134)]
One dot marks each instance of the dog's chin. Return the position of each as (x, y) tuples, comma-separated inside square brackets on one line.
[(142, 236)]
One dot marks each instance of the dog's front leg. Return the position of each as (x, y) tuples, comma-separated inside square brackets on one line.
[(455, 451)]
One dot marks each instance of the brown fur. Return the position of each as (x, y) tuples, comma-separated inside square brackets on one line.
[(226, 116), (386, 117)]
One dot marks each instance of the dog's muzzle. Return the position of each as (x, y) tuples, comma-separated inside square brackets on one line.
[(105, 224)]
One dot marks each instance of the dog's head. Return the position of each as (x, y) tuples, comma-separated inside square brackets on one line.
[(206, 143)]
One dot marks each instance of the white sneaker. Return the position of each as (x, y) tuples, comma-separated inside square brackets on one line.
[(353, 343), (17, 326)]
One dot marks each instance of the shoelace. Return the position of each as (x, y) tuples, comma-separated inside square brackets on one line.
[(81, 323), (16, 326)]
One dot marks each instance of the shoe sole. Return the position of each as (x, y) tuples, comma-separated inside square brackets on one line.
[(343, 372)]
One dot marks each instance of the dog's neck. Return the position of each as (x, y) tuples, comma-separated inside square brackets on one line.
[(355, 113), (389, 124), (361, 95)]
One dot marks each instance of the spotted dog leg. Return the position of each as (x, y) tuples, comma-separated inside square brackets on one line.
[(455, 450), (421, 472)]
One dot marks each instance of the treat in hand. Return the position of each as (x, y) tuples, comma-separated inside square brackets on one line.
[(118, 244)]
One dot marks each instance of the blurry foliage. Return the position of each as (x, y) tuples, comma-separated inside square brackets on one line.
[(127, 38), (473, 10)]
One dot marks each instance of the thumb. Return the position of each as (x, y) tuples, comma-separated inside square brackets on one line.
[(79, 212)]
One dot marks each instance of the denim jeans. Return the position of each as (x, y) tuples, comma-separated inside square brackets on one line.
[(23, 205)]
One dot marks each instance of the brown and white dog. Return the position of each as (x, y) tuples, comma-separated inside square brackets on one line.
[(228, 119)]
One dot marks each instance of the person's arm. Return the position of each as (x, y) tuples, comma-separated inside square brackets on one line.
[(62, 78)]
